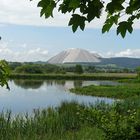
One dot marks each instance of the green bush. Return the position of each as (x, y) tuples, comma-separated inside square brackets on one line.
[(78, 69), (32, 69)]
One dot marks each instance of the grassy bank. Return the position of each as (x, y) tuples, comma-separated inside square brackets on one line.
[(126, 90), (74, 122), (94, 76)]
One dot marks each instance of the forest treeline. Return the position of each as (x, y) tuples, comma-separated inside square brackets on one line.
[(45, 68)]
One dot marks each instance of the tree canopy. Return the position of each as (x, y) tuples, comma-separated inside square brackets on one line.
[(121, 13), (79, 69)]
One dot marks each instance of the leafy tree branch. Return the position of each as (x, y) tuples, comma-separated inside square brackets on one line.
[(4, 73), (89, 10)]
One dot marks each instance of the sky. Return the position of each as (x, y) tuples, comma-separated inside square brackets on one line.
[(27, 37)]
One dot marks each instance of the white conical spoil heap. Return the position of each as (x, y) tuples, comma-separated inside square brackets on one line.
[(75, 55)]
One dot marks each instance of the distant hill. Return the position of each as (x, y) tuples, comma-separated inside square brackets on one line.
[(84, 57), (75, 55), (121, 62)]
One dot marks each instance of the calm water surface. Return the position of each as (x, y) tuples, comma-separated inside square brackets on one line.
[(26, 95)]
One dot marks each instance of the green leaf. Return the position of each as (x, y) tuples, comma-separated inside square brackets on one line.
[(74, 4), (134, 6), (109, 22), (47, 7), (106, 27), (88, 10), (114, 6), (94, 9), (124, 27), (64, 7), (77, 21), (129, 28)]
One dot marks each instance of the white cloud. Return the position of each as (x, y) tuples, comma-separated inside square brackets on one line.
[(24, 45), (24, 12), (9, 54), (126, 53)]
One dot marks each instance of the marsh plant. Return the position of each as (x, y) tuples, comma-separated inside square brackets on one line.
[(72, 121)]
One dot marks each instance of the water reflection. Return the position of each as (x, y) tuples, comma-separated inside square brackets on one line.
[(78, 83), (26, 95), (36, 84), (29, 84)]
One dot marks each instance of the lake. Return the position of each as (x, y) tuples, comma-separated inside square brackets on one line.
[(26, 95)]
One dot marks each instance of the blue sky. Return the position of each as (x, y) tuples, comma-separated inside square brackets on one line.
[(31, 38)]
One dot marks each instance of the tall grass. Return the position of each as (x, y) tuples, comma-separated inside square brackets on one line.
[(72, 121), (51, 124)]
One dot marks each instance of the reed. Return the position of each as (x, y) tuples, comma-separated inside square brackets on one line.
[(72, 121)]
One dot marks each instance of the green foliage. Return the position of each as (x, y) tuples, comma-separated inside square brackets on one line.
[(119, 92), (124, 27), (90, 69), (138, 72), (29, 69), (78, 20), (95, 76), (126, 70), (62, 123), (78, 69), (73, 121), (36, 68), (47, 7), (4, 73), (114, 123), (13, 65), (83, 11)]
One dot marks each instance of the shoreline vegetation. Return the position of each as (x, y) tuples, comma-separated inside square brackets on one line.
[(118, 92), (71, 121), (93, 76)]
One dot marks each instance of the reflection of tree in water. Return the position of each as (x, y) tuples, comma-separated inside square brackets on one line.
[(29, 84), (60, 82), (56, 82), (78, 83), (49, 82)]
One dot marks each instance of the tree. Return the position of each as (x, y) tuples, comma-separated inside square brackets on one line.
[(121, 13), (30, 69), (4, 73), (90, 69), (78, 69)]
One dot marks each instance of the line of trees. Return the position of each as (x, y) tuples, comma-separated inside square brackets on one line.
[(33, 68), (36, 68)]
